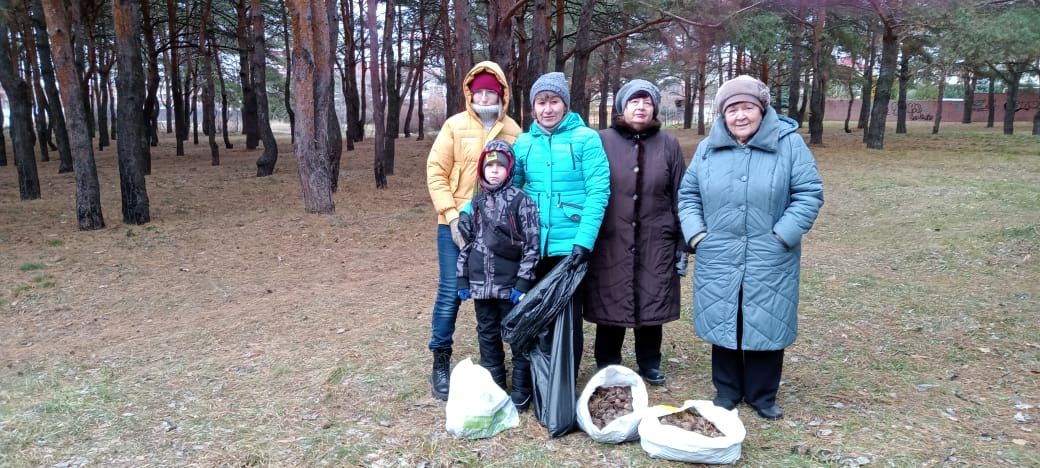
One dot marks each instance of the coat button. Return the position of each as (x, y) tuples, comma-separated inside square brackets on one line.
[(635, 197), (743, 238), (742, 207), (636, 169), (743, 178), (634, 224)]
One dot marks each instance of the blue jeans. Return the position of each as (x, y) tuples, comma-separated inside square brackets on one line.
[(446, 307)]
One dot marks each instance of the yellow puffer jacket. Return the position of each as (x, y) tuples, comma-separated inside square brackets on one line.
[(451, 169)]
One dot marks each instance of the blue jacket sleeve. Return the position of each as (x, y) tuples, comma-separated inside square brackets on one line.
[(596, 172), (806, 195), (691, 208)]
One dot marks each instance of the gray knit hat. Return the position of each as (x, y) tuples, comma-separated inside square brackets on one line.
[(743, 88), (554, 82), (630, 89)]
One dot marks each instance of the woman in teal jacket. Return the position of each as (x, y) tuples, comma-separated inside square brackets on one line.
[(561, 164), (750, 193)]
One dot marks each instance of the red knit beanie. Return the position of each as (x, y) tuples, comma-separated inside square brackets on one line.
[(485, 80)]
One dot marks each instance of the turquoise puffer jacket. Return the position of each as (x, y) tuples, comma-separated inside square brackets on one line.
[(746, 199), (568, 176)]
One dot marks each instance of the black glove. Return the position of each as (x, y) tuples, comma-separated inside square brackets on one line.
[(579, 256), (466, 226)]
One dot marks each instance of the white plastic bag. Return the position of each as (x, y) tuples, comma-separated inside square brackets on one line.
[(621, 429), (477, 407), (669, 442)]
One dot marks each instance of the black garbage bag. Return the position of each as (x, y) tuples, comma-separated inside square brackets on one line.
[(542, 304), (553, 373)]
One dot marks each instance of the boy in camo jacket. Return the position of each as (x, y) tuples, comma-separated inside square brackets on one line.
[(496, 266)]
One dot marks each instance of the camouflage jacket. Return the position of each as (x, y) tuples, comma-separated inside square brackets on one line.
[(504, 249)]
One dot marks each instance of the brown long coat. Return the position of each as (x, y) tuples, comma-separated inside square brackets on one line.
[(632, 280)]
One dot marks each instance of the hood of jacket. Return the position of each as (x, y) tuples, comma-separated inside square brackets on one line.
[(770, 131), (494, 69), (504, 149)]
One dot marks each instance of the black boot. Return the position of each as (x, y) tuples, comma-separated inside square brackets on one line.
[(521, 391), (441, 376)]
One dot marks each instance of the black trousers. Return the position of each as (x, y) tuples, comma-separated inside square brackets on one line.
[(610, 339), (752, 376), (490, 313), (545, 265)]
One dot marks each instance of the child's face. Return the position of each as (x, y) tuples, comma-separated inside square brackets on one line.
[(494, 173)]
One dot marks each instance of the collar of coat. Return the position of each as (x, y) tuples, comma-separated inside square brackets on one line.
[(767, 138), (570, 121), (627, 132)]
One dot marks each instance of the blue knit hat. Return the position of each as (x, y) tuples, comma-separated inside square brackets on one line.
[(629, 90), (554, 82)]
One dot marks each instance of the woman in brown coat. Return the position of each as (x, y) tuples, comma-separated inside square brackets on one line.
[(632, 280)]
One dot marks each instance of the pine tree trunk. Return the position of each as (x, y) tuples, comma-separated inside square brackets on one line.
[(904, 84), (266, 162), (702, 72), (223, 105), (868, 82), (819, 83), (795, 67), (151, 100), (335, 138), (208, 93), (249, 122), (1011, 106), (102, 108), (167, 103), (939, 104), (1036, 122), (582, 52), (969, 95), (537, 56), (286, 87), (875, 134), (20, 103), (311, 74), (604, 90), (33, 71), (355, 128), (391, 91), (463, 52), (3, 141), (132, 142), (379, 163), (179, 117), (88, 192), (991, 103)]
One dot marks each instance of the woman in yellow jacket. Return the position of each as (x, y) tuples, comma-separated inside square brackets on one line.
[(451, 174)]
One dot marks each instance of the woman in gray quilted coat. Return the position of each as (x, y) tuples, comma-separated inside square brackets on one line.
[(750, 194)]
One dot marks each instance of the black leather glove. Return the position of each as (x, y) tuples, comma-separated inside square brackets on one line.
[(579, 256), (466, 226)]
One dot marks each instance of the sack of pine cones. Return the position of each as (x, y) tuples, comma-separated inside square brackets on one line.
[(612, 405), (696, 432)]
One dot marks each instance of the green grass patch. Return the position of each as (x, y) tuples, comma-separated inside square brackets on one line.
[(21, 288), (55, 242), (32, 266)]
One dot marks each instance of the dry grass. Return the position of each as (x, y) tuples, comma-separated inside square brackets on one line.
[(236, 330)]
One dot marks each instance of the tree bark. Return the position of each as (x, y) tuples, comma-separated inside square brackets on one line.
[(582, 52), (151, 100), (819, 83), (88, 192), (1012, 77), (266, 162), (939, 102), (868, 81), (104, 74), (335, 151), (33, 72), (3, 141), (355, 127), (391, 96), (379, 164), (132, 144), (311, 73), (904, 82), (537, 55), (795, 67), (875, 134), (56, 117), (969, 95), (463, 51), (179, 118), (991, 104), (604, 90), (287, 85), (249, 122), (223, 105), (208, 93), (20, 103)]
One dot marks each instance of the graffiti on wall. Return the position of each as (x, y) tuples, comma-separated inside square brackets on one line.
[(914, 110), (980, 105)]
